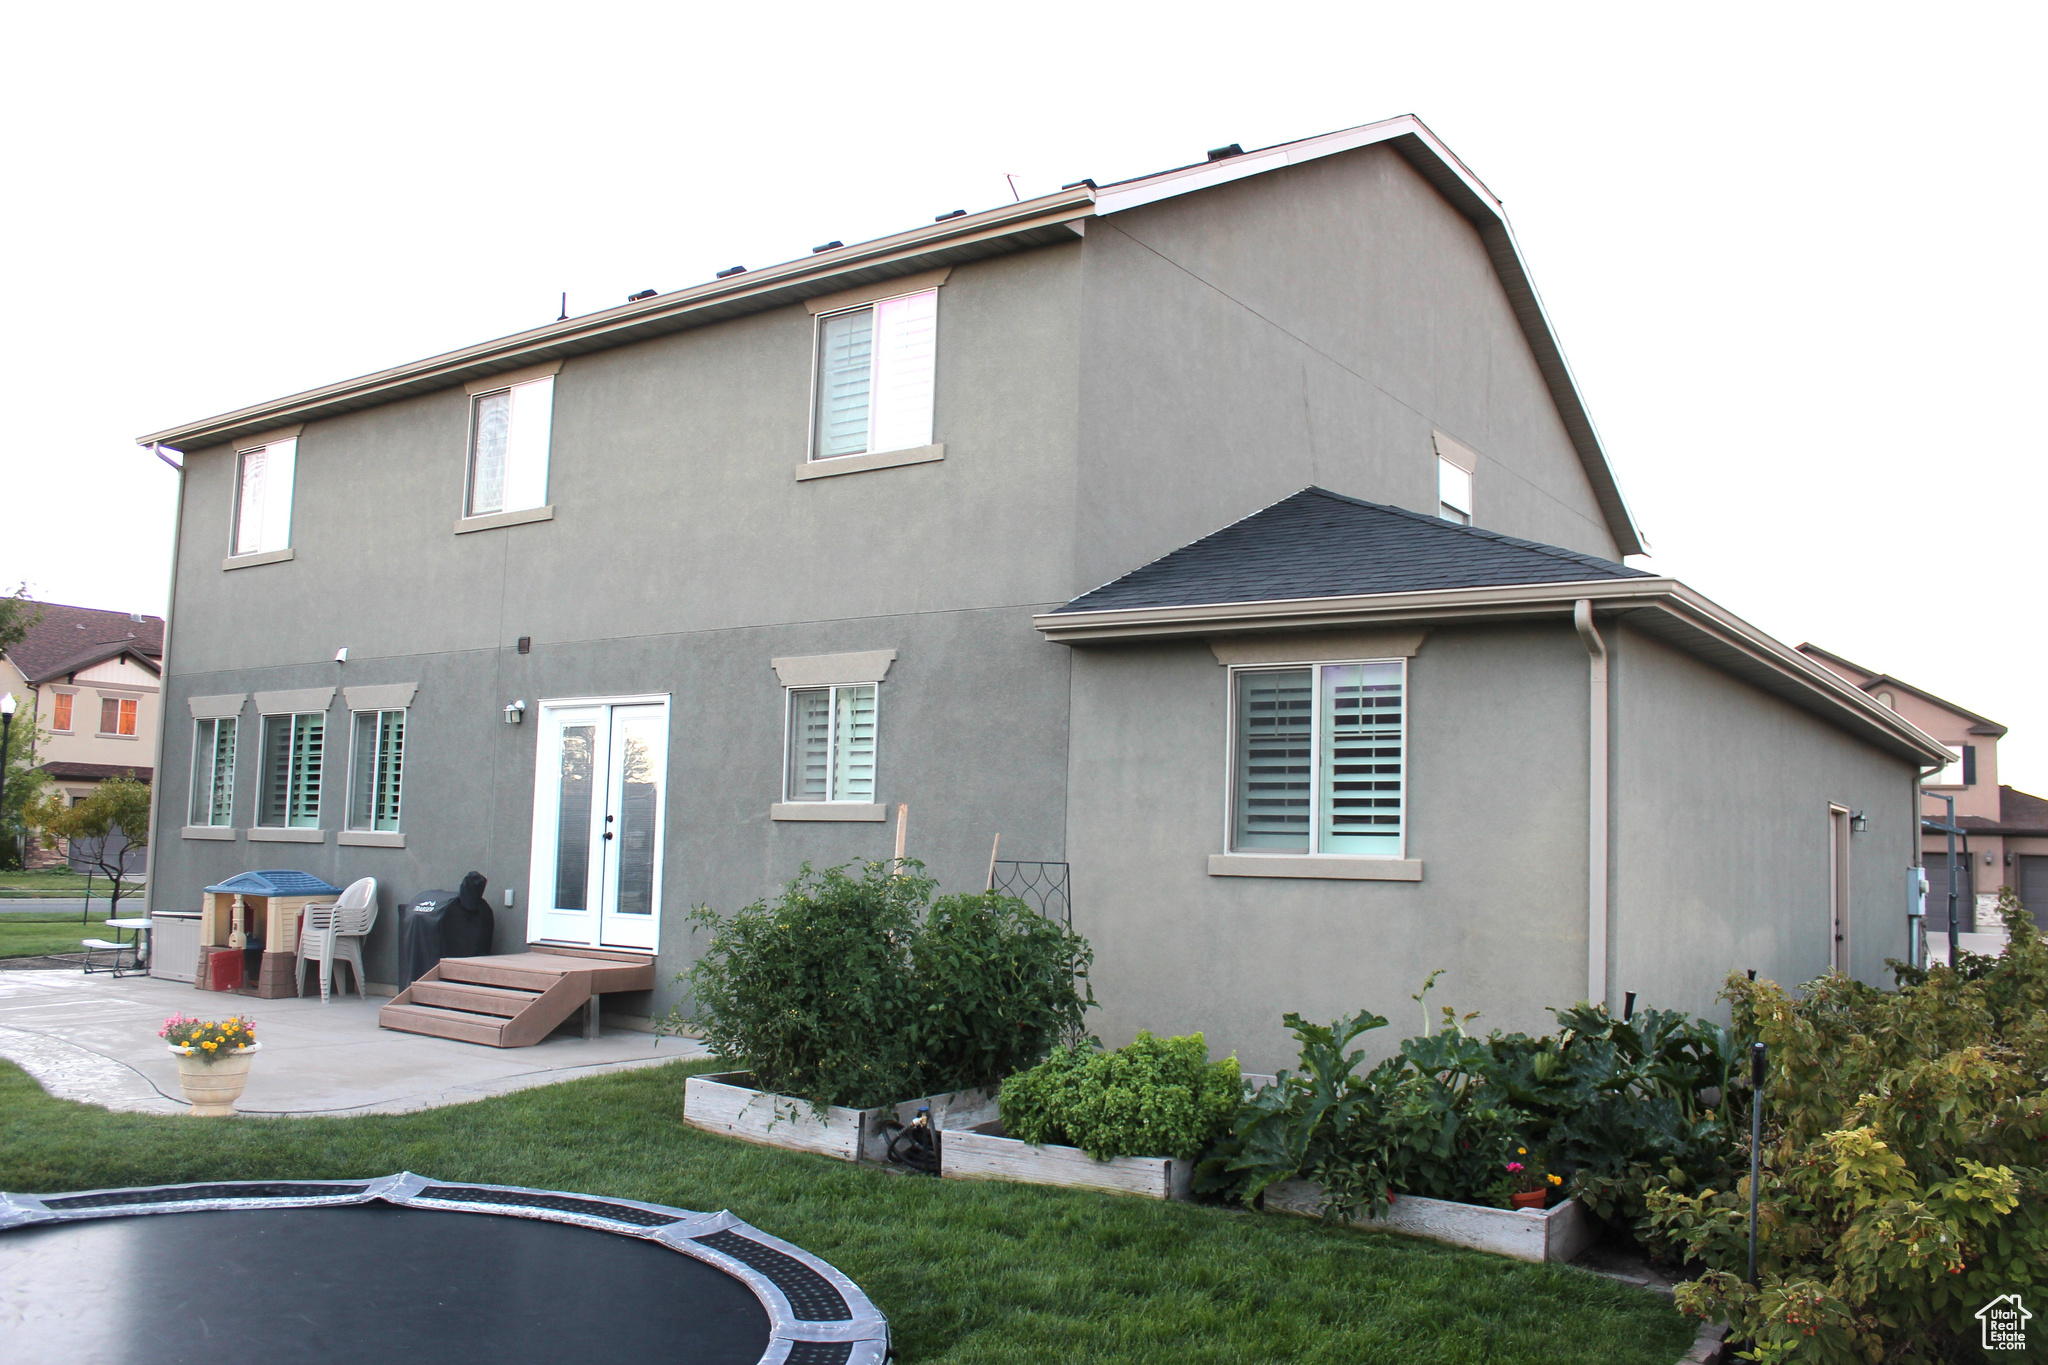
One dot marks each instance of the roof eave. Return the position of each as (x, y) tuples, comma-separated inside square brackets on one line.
[(1013, 227), (1664, 606)]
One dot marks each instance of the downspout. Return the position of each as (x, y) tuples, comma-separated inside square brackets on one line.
[(163, 691), (1596, 801)]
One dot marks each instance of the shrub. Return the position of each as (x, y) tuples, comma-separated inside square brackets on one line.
[(862, 991), (1155, 1097), (1904, 1180)]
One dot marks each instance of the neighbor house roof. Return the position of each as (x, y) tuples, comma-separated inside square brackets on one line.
[(1323, 544), (2019, 814), (1873, 681), (96, 772), (1320, 560), (952, 241), (67, 639)]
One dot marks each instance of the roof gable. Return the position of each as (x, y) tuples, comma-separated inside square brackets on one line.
[(1322, 544), (1870, 680)]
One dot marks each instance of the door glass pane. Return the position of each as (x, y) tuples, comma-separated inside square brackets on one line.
[(308, 736), (222, 812), (492, 423), (202, 773), (638, 732), (275, 778), (1360, 763), (853, 743), (810, 743), (572, 818), (1273, 727), (845, 353)]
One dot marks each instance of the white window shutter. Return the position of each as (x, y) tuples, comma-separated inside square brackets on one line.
[(906, 333), (526, 444), (845, 381)]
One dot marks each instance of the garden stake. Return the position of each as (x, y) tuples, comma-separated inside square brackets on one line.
[(1756, 1135)]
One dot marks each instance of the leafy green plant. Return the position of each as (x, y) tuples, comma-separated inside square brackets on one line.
[(1904, 1166), (861, 991), (1154, 1097)]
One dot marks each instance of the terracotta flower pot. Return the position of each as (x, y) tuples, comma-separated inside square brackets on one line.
[(1529, 1199), (213, 1087)]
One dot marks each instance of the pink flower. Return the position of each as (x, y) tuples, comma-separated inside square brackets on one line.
[(1515, 1166)]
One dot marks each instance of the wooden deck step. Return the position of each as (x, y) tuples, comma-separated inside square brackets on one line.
[(456, 995), (440, 1023)]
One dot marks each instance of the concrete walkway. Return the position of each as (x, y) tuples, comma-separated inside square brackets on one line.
[(93, 1038)]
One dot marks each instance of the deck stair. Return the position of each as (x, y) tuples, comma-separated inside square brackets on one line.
[(513, 999)]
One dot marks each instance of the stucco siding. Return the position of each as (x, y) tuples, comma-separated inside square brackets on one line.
[(1497, 799), (1720, 844), (1310, 326)]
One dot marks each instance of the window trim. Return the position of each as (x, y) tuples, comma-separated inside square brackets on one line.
[(72, 710), (348, 810), (277, 554), (1315, 854), (851, 302), (192, 788), (465, 520), (121, 703), (831, 729)]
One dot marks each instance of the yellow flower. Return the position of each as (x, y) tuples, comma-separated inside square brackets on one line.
[(1521, 1151), (1557, 1180), (207, 1044)]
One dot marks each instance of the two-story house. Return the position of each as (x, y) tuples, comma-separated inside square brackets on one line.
[(1235, 535), (2006, 843)]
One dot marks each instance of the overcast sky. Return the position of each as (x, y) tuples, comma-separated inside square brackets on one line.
[(1790, 251)]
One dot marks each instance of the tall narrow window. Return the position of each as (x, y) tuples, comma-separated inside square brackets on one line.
[(117, 716), (1453, 492), (508, 448), (263, 497), (288, 795), (377, 758), (875, 374), (213, 772), (831, 744), (60, 712), (1319, 759)]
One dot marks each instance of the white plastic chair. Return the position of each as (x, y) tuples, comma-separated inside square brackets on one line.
[(336, 929)]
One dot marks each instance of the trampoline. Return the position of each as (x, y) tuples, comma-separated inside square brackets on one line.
[(403, 1267)]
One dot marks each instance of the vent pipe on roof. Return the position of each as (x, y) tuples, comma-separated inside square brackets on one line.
[(829, 246), (956, 213), (643, 294), (734, 270), (1077, 184), (1219, 153)]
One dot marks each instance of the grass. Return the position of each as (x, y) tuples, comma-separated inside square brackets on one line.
[(38, 934), (981, 1273), (58, 881)]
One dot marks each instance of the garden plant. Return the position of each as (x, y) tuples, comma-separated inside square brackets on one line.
[(1154, 1097)]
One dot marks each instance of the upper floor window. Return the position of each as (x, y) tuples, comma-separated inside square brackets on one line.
[(60, 712), (374, 770), (1453, 492), (117, 716), (288, 792), (1960, 771), (213, 772), (874, 377), (508, 447), (1317, 758), (263, 497), (831, 744)]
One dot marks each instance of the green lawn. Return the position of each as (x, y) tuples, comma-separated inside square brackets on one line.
[(35, 935), (965, 1272), (60, 882)]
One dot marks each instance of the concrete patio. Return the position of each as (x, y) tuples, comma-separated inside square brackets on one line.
[(94, 1039)]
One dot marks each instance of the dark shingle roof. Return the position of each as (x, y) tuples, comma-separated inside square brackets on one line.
[(81, 772), (71, 638), (1323, 544), (2019, 813)]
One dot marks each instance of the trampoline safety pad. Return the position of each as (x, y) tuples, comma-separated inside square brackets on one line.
[(403, 1266)]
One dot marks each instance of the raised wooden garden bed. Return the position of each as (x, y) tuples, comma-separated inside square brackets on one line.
[(726, 1103), (1556, 1234), (982, 1152)]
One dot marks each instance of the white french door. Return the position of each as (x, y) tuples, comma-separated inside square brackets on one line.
[(599, 789)]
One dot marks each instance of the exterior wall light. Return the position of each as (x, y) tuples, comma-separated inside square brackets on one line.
[(515, 711), (1857, 823)]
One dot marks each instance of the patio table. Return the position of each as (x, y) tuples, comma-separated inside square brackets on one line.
[(137, 947)]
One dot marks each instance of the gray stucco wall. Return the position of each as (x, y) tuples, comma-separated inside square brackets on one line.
[(1720, 844), (1497, 802), (1307, 326)]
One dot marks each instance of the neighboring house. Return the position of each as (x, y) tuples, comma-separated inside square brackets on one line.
[(2007, 843), (648, 608)]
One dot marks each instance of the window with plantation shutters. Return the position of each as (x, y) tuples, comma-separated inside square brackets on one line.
[(875, 376), (377, 759), (831, 744), (288, 788), (213, 772), (1318, 759), (509, 431), (263, 497)]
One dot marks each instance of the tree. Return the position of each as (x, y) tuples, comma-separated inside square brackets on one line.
[(22, 784), (100, 829)]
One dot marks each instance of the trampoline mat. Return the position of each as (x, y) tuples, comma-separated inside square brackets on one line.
[(362, 1281)]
